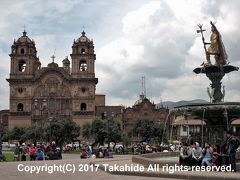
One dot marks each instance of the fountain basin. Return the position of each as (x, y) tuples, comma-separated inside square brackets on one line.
[(214, 113), (161, 158), (214, 69), (165, 158)]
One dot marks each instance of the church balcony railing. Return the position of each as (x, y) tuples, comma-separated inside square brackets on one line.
[(20, 113), (39, 117), (83, 113)]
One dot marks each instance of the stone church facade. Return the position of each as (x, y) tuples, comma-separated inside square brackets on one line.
[(38, 94), (143, 109)]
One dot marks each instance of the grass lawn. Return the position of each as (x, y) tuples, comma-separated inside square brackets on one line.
[(77, 151), (9, 156)]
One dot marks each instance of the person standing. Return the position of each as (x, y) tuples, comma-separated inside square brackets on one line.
[(16, 152), (231, 148), (24, 152)]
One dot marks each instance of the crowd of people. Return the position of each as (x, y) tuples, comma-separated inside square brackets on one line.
[(215, 155), (100, 152), (39, 152), (190, 154)]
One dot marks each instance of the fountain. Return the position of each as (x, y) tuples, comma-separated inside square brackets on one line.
[(217, 114)]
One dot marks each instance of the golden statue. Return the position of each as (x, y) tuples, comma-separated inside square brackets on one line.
[(213, 48), (216, 47)]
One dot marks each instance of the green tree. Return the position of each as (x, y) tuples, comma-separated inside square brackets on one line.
[(114, 132), (126, 139), (148, 129), (34, 133), (87, 130), (99, 130), (62, 130), (106, 130), (17, 133)]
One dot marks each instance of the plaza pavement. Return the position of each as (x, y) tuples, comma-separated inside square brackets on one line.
[(9, 171), (176, 175)]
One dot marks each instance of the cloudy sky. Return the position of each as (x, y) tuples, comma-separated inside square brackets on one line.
[(133, 38)]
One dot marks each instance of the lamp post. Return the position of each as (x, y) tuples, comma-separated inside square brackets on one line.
[(44, 108), (105, 117), (50, 128)]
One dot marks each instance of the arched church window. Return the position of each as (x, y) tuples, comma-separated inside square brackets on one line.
[(52, 104), (83, 51), (20, 90), (22, 65), (22, 51), (83, 107), (20, 107), (66, 103), (83, 65), (83, 89)]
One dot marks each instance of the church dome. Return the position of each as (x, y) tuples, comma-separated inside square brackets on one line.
[(24, 38), (52, 65), (83, 38), (66, 61)]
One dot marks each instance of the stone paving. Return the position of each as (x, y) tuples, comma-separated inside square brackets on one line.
[(9, 170), (176, 175)]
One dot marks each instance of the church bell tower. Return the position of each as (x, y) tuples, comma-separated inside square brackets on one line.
[(83, 79), (24, 63)]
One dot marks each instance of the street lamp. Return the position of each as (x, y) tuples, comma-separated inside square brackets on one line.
[(50, 128), (44, 107), (35, 103), (105, 117)]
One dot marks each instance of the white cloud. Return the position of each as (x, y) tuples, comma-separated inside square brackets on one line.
[(170, 49), (138, 21), (157, 39)]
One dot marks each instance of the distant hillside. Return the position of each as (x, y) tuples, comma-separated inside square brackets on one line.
[(171, 104)]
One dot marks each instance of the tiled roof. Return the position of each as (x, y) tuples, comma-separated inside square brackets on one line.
[(189, 122)]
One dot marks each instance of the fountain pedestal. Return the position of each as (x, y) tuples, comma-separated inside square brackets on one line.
[(215, 73)]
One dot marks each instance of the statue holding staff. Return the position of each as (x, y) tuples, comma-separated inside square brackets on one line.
[(216, 46)]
